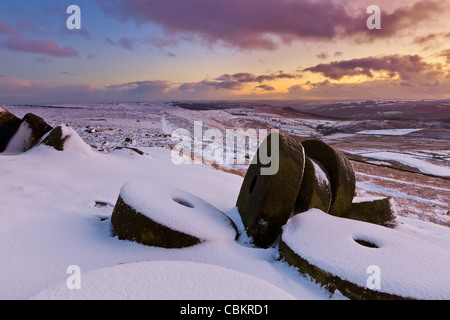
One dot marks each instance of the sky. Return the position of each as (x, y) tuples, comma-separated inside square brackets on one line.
[(136, 50)]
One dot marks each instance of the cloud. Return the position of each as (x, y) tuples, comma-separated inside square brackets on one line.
[(322, 56), (16, 41), (124, 42), (446, 55), (431, 40), (236, 81), (47, 47), (407, 67), (267, 24), (375, 89), (400, 21), (69, 73), (8, 29), (265, 87), (250, 24)]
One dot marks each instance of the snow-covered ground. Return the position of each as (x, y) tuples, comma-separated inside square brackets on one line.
[(55, 210)]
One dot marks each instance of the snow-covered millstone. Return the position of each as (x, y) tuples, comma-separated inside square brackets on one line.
[(377, 210), (340, 171), (339, 253), (315, 190), (163, 216), (166, 280), (265, 202)]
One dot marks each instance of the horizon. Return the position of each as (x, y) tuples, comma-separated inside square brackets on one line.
[(223, 50)]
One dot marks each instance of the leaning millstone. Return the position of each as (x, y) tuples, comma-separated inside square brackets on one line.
[(161, 216), (266, 201), (340, 171), (315, 190), (9, 124), (378, 210)]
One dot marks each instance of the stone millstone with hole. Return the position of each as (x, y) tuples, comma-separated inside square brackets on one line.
[(159, 215), (378, 210), (340, 171), (315, 190), (265, 201), (129, 224)]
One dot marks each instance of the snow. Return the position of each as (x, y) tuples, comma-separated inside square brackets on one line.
[(321, 176), (166, 126), (366, 199), (166, 280), (412, 161), (49, 222), (388, 132), (410, 267), (178, 210)]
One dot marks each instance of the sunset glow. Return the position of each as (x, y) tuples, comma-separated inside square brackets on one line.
[(222, 49)]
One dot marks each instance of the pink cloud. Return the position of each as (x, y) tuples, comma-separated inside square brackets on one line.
[(265, 24), (17, 41), (8, 29), (250, 24), (47, 47), (406, 66)]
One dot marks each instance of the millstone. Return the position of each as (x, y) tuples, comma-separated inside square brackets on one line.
[(159, 215), (315, 190), (378, 210), (340, 171), (265, 202), (129, 224)]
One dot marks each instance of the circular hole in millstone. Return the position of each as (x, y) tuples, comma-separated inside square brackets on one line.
[(365, 243), (252, 184), (183, 202)]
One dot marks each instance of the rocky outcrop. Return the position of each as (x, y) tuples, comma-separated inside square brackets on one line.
[(9, 124), (29, 133)]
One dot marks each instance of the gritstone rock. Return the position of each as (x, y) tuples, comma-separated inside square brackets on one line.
[(266, 201), (130, 224), (55, 139), (9, 124), (38, 127), (340, 171), (159, 215), (315, 190), (29, 133), (378, 210)]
